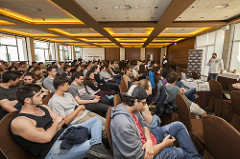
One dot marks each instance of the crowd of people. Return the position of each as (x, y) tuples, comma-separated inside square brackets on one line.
[(72, 124)]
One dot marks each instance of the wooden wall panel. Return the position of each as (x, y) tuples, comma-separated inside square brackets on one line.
[(156, 54), (112, 54), (132, 54), (179, 53)]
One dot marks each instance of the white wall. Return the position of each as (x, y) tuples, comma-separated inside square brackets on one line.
[(91, 53)]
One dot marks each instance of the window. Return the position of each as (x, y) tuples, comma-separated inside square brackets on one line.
[(78, 52), (44, 51), (13, 48), (235, 55), (66, 53)]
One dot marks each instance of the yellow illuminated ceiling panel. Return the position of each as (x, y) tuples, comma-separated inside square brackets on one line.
[(154, 46), (74, 34), (104, 44), (2, 22), (159, 44), (119, 32), (60, 40), (27, 34), (131, 44), (183, 32), (78, 44), (168, 41), (135, 40), (95, 40), (28, 20)]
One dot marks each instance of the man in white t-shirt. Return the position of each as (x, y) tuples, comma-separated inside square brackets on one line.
[(215, 66)]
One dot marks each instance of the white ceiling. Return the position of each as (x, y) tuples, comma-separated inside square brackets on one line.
[(202, 10), (36, 9), (125, 10), (180, 30)]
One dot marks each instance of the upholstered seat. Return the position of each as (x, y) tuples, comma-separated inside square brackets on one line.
[(47, 98), (108, 122), (9, 149), (216, 103), (235, 116), (222, 140), (123, 86), (117, 100), (194, 126)]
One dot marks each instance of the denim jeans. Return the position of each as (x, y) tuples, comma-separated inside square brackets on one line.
[(179, 131), (212, 76), (94, 126), (190, 94), (156, 122)]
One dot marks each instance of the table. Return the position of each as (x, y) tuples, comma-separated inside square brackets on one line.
[(203, 91), (229, 75), (198, 84)]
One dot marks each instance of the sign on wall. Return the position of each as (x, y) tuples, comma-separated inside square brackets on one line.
[(194, 62)]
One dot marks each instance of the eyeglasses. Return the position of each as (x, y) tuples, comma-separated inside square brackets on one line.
[(144, 103)]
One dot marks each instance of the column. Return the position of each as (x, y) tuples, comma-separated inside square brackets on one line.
[(142, 54), (122, 53)]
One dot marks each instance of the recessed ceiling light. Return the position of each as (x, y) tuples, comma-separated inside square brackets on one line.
[(192, 7), (156, 7), (179, 17), (152, 17), (221, 6), (95, 7), (125, 7), (116, 7), (104, 18), (201, 17)]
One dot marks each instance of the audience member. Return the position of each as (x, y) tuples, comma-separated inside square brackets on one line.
[(48, 81), (8, 102), (91, 102), (131, 137), (173, 90), (38, 130)]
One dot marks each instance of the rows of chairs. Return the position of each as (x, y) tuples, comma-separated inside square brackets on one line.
[(213, 136)]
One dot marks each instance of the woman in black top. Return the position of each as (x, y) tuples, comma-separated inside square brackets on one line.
[(92, 86)]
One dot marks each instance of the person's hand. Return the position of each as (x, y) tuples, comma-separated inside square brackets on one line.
[(149, 150), (96, 100), (183, 90), (210, 60), (82, 107), (216, 61), (60, 121), (96, 96), (80, 112), (168, 142)]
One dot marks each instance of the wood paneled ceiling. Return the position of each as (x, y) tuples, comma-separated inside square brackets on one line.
[(115, 23)]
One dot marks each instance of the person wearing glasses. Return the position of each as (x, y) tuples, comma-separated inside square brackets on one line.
[(131, 136)]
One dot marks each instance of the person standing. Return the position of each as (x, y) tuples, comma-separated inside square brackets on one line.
[(165, 61), (215, 66)]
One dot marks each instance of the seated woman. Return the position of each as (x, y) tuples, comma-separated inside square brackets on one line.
[(173, 90), (92, 86)]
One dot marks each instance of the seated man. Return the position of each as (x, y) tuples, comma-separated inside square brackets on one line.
[(173, 90), (48, 81), (38, 130), (8, 102), (78, 91), (64, 104), (131, 137)]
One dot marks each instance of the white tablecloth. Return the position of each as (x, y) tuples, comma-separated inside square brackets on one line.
[(198, 84), (229, 75)]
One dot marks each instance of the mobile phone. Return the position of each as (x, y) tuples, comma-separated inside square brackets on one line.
[(165, 134)]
